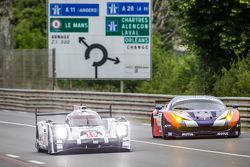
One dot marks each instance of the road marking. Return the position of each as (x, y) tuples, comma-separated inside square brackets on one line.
[(145, 142), (146, 124), (31, 161), (36, 162), (193, 149), (18, 124), (12, 156)]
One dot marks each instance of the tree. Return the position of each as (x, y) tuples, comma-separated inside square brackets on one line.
[(165, 23), (219, 31), (30, 24), (235, 81), (6, 18)]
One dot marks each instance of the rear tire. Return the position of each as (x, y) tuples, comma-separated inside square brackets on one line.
[(152, 126)]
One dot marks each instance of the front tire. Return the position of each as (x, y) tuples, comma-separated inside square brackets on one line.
[(163, 123), (49, 144), (38, 148), (239, 130)]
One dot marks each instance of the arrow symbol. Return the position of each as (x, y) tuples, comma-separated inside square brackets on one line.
[(81, 40), (116, 60), (104, 51)]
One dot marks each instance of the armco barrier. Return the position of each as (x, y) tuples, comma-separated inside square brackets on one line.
[(130, 104)]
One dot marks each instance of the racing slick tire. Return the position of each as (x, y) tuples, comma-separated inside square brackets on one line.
[(152, 126), (38, 146), (49, 145), (163, 122), (239, 132), (49, 148)]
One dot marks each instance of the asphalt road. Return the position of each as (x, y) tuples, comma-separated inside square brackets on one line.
[(17, 137)]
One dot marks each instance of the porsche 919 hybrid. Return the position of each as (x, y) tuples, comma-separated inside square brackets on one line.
[(83, 129)]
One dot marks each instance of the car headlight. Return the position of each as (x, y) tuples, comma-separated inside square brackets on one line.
[(229, 116), (61, 133), (177, 118), (122, 130)]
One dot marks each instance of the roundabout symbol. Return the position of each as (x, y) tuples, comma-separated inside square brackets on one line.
[(104, 58)]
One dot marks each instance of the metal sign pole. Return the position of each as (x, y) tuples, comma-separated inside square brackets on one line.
[(121, 86), (54, 68)]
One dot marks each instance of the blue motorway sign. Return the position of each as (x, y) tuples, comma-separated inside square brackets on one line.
[(58, 9), (128, 8)]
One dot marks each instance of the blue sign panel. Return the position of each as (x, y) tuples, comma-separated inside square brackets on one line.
[(128, 8), (57, 9)]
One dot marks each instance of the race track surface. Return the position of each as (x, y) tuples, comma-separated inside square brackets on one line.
[(17, 140)]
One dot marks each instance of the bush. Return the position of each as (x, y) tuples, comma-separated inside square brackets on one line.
[(172, 73), (235, 81)]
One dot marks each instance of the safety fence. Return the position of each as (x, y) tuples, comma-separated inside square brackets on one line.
[(128, 104), (26, 69)]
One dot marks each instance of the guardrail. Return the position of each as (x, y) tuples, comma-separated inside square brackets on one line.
[(131, 104)]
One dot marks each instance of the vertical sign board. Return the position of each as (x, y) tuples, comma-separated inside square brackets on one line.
[(101, 39)]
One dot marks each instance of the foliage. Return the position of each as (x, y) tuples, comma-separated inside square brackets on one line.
[(171, 73), (89, 85), (235, 81), (217, 30), (165, 23), (30, 24)]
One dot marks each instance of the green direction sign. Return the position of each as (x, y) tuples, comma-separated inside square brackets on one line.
[(127, 26), (69, 25)]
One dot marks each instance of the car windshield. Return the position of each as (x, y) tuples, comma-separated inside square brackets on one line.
[(197, 104), (85, 120)]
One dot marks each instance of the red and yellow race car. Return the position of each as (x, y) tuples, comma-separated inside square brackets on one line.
[(195, 116)]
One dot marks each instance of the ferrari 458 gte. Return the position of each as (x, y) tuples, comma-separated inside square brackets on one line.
[(194, 116)]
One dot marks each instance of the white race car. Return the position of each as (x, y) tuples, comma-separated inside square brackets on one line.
[(83, 129)]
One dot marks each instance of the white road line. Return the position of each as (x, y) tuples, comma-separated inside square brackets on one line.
[(18, 124), (151, 143), (189, 148), (12, 156), (36, 162)]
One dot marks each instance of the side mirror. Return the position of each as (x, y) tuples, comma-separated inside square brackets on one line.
[(158, 107), (235, 106)]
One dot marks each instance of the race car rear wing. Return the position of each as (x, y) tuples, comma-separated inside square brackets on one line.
[(37, 114)]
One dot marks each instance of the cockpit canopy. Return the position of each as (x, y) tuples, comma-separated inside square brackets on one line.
[(88, 118)]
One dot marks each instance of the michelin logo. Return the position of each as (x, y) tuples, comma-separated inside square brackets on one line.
[(187, 134), (222, 134)]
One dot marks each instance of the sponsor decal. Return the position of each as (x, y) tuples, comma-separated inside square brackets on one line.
[(203, 115), (168, 126), (222, 134), (187, 134), (170, 134), (95, 142)]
